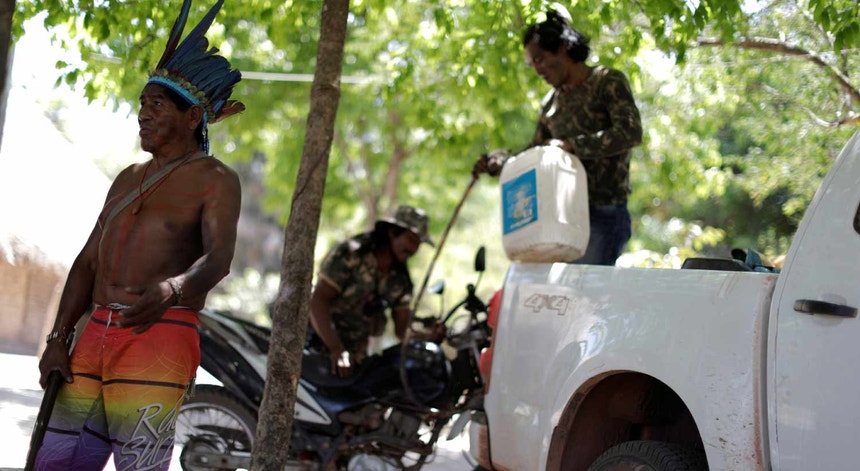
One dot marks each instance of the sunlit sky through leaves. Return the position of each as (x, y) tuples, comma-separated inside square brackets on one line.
[(51, 186)]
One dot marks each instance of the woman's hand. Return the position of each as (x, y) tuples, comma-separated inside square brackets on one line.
[(490, 163)]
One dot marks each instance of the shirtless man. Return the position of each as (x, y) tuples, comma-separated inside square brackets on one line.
[(145, 271)]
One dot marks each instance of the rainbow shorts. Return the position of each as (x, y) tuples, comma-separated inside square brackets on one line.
[(126, 394)]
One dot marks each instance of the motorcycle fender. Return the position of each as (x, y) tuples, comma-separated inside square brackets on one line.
[(308, 409)]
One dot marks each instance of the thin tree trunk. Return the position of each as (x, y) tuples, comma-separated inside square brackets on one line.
[(7, 9), (290, 320), (399, 154)]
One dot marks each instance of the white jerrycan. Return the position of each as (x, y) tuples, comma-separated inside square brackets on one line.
[(544, 206)]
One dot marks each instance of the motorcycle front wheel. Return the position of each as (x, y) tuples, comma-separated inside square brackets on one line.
[(214, 421)]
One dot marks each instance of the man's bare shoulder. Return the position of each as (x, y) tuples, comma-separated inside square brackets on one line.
[(213, 170), (125, 179), (127, 173), (210, 163)]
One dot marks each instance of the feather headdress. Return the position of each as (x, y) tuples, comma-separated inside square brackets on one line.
[(196, 72)]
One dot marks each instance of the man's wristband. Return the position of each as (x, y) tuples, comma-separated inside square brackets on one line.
[(177, 290), (56, 335)]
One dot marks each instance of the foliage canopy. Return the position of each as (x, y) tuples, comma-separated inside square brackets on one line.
[(744, 103)]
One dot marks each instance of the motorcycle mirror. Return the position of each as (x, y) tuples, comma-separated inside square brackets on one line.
[(437, 288), (480, 260)]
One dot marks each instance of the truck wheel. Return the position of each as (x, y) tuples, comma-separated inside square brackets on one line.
[(644, 455)]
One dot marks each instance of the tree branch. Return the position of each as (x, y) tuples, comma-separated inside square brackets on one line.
[(850, 117), (780, 47)]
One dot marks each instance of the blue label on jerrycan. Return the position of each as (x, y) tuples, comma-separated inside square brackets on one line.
[(519, 202)]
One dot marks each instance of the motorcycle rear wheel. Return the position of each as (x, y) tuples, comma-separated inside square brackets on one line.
[(214, 420)]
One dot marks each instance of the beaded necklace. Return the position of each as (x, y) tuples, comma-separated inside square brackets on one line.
[(140, 192)]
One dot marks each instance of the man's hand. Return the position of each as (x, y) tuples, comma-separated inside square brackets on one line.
[(341, 363), (55, 358), (437, 332), (434, 332), (150, 306)]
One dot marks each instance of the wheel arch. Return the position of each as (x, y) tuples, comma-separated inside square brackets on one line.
[(617, 407)]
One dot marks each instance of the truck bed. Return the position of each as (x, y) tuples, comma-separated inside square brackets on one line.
[(685, 328)]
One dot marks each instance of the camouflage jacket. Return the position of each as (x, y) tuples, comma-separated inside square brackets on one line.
[(600, 121), (351, 268)]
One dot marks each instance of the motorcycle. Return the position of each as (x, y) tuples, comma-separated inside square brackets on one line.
[(387, 415)]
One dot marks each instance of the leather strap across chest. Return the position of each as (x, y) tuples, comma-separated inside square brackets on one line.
[(146, 185)]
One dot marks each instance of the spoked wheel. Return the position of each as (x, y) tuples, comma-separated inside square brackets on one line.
[(215, 423), (645, 455)]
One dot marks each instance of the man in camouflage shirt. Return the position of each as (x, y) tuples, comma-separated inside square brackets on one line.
[(590, 113), (361, 277)]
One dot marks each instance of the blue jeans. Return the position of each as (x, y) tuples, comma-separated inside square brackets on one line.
[(610, 231)]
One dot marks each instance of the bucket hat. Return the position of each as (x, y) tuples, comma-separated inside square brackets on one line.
[(411, 219)]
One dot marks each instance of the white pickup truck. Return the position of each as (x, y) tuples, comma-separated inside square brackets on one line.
[(597, 368)]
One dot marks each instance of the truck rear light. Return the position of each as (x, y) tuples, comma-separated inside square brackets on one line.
[(493, 311), (485, 365), (486, 362)]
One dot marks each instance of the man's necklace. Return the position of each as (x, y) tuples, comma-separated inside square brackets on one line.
[(140, 193)]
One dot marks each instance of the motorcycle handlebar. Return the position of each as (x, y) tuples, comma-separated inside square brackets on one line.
[(472, 303)]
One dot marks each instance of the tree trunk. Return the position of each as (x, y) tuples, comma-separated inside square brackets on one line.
[(399, 154), (7, 9), (290, 319)]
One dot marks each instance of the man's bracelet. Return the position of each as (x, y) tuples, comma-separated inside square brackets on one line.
[(177, 290), (56, 335)]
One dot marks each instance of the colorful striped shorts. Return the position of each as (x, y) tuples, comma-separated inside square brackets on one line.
[(126, 394)]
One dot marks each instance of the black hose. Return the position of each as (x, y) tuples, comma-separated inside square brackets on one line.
[(405, 341)]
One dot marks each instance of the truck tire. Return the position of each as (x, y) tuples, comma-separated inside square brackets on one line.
[(646, 455)]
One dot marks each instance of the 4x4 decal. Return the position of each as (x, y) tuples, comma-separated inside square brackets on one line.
[(539, 302)]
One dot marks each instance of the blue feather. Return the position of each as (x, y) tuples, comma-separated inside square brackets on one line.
[(175, 34), (205, 23), (200, 65)]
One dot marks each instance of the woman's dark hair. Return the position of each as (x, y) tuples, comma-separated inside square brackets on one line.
[(183, 105), (554, 33)]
